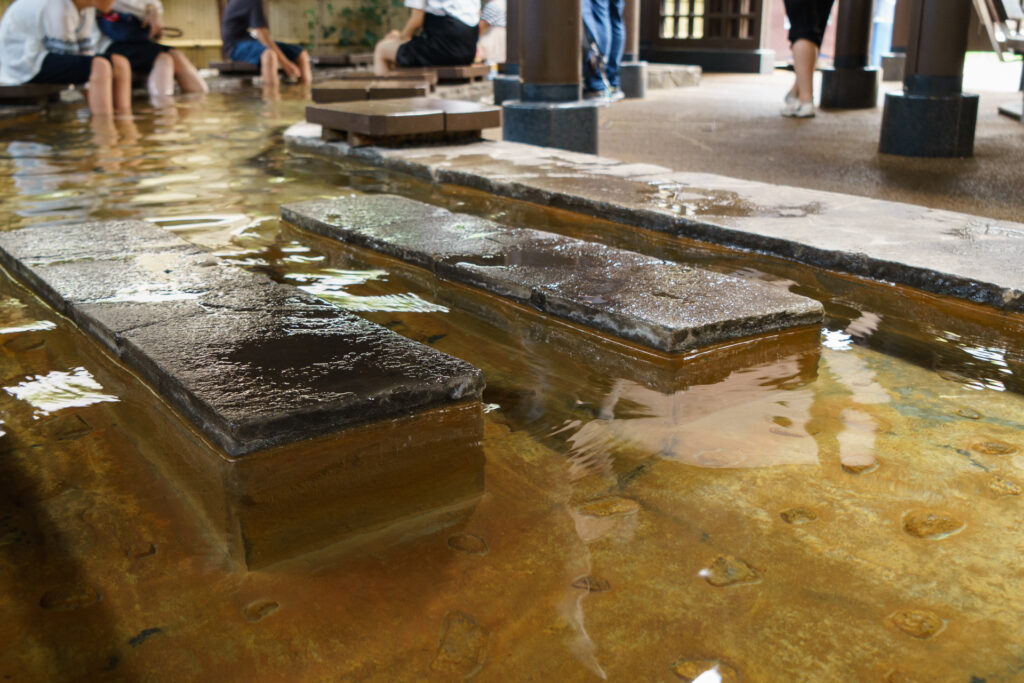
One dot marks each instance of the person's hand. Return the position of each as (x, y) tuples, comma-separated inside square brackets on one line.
[(154, 22), (394, 33), (291, 70)]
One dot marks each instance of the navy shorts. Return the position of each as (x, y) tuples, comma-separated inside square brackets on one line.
[(58, 68), (141, 55), (444, 41), (808, 19), (250, 50)]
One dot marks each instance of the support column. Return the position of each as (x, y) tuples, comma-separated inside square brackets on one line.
[(932, 117), (506, 83), (633, 72), (851, 83), (550, 112), (893, 63)]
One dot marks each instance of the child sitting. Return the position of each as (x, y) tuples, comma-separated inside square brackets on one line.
[(54, 41), (450, 29), (261, 51)]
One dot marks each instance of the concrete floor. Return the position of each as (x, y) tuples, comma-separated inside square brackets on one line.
[(730, 125)]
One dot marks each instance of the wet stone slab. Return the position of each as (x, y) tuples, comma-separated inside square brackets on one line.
[(957, 255), (655, 303), (254, 363)]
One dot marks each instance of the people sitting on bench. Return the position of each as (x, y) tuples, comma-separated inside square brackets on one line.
[(438, 33), (261, 51), (132, 30), (42, 41)]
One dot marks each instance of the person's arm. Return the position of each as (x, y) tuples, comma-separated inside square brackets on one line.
[(289, 67), (151, 12), (414, 24)]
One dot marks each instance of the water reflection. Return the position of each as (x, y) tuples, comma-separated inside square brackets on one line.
[(58, 390)]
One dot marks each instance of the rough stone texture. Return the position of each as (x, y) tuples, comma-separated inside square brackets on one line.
[(948, 253), (1015, 110), (565, 125), (252, 362), (919, 126), (672, 76), (652, 302)]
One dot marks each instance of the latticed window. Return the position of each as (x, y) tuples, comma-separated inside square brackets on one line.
[(709, 19)]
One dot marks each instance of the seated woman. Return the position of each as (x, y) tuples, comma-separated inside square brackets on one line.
[(262, 51), (450, 29), (42, 41), (132, 30)]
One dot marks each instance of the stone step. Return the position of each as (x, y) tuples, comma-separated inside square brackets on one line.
[(346, 59), (944, 252), (252, 363), (403, 120), (648, 301), (355, 91), (451, 74)]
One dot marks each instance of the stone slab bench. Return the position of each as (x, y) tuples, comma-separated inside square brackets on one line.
[(328, 426), (355, 91), (30, 93), (429, 77), (658, 304), (404, 120), (235, 68), (349, 59)]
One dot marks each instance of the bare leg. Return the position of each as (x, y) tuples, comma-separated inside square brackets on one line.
[(187, 74), (268, 69), (161, 77), (805, 58), (122, 85), (384, 55), (305, 67), (101, 87)]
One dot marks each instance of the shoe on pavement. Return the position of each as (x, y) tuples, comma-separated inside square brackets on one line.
[(616, 94), (791, 99), (799, 110)]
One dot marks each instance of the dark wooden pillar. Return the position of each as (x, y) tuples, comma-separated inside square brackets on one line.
[(851, 83)]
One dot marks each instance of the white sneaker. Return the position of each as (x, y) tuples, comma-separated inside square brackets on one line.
[(798, 110), (790, 99)]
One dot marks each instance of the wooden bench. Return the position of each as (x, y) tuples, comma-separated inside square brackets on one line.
[(30, 93), (353, 91), (345, 59), (235, 68), (470, 73), (413, 120), (428, 77)]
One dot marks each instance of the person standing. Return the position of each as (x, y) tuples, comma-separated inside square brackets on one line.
[(606, 28), (807, 22)]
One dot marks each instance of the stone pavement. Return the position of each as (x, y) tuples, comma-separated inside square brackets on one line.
[(942, 252)]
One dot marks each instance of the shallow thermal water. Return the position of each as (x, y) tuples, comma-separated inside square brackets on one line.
[(844, 507)]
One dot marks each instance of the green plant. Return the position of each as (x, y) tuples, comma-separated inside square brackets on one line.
[(367, 23), (313, 22)]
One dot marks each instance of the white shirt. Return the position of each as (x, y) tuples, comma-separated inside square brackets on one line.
[(466, 11), (31, 28)]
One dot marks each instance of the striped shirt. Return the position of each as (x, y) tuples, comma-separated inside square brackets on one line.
[(494, 13)]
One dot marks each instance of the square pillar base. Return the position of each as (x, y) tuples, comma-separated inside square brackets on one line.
[(1015, 110), (565, 125), (506, 87), (849, 88), (893, 65), (916, 126), (633, 79)]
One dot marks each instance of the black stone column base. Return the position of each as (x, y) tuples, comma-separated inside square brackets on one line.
[(849, 88), (916, 126), (633, 79), (893, 66), (506, 87), (565, 125)]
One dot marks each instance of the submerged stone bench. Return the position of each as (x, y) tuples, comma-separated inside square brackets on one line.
[(30, 93), (404, 120), (331, 424), (235, 68), (658, 304), (355, 91)]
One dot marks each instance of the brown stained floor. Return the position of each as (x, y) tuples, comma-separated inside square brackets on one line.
[(848, 509)]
